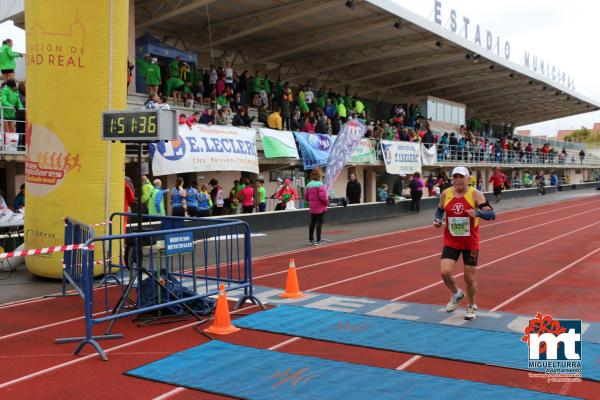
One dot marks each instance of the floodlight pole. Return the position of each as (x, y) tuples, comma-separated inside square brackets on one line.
[(139, 187)]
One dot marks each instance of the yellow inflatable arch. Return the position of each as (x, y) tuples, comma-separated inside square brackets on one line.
[(76, 68)]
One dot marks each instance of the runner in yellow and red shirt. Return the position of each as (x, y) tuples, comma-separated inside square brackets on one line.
[(463, 206)]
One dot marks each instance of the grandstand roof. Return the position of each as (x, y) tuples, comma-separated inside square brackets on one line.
[(361, 49)]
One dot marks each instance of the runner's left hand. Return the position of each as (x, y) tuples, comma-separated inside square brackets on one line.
[(471, 213)]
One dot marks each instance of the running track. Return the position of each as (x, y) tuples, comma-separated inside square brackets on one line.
[(544, 258)]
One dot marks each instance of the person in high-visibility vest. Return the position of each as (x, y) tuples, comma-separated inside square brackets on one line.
[(156, 205), (147, 189)]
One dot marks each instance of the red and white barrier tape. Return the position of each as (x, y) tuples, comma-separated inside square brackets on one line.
[(46, 250)]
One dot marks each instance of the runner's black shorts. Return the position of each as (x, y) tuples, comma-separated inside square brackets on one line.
[(497, 190), (8, 71), (469, 256)]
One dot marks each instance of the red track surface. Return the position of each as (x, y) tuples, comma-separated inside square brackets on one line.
[(519, 250)]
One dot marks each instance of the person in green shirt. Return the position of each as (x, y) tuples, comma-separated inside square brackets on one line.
[(222, 101), (256, 88), (142, 64), (152, 76), (175, 84), (359, 107), (341, 109), (156, 205), (7, 60), (347, 101), (262, 195), (302, 102), (10, 102), (267, 85), (146, 191)]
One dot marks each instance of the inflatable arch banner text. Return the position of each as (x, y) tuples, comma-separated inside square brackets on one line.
[(76, 60)]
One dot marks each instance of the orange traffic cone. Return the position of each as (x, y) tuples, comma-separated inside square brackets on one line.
[(222, 323), (292, 289)]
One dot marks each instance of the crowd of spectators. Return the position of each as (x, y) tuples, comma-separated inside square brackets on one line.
[(12, 101), (226, 96), (194, 200)]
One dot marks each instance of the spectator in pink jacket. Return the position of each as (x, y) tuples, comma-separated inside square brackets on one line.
[(316, 195)]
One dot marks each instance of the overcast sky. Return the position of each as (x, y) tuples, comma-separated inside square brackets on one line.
[(563, 33)]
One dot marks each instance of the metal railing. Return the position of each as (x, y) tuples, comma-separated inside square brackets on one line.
[(12, 130), (165, 270), (539, 142), (454, 154)]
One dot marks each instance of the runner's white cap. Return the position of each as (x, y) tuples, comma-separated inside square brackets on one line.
[(460, 171)]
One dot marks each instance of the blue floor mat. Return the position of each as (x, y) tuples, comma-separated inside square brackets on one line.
[(255, 374), (456, 343)]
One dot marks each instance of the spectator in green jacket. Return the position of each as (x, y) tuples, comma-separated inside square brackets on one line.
[(147, 189), (142, 64), (359, 107), (256, 87), (152, 76), (7, 60), (10, 101), (341, 110), (175, 84)]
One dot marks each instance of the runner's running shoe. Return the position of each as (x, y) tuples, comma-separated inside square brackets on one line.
[(454, 300), (471, 313)]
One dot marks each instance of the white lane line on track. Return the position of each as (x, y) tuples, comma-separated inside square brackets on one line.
[(45, 298), (343, 258), (437, 254), (495, 261), (413, 359), (335, 260), (140, 340), (419, 241)]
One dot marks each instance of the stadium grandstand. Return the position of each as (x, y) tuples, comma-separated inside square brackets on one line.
[(392, 138)]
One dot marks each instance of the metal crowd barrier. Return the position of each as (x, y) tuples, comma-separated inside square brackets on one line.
[(168, 271)]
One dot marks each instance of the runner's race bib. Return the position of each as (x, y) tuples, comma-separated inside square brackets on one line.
[(459, 226)]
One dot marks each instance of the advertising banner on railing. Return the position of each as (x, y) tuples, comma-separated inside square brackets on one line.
[(206, 148), (429, 155), (315, 148), (401, 158), (350, 135), (364, 153), (278, 143)]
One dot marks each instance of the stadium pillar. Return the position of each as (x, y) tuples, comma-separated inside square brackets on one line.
[(131, 44), (76, 68)]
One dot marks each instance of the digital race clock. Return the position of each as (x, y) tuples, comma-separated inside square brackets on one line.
[(139, 125)]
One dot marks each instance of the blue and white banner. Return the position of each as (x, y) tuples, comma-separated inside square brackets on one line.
[(315, 148), (350, 135), (206, 148), (401, 158)]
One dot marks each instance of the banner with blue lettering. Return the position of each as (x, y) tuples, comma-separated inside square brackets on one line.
[(350, 135), (401, 158), (315, 148), (206, 148)]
